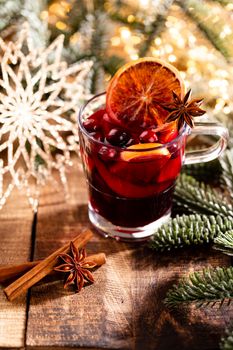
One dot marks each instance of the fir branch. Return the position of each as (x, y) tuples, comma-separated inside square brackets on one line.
[(155, 29), (224, 242), (189, 230), (112, 64), (31, 12), (226, 162), (202, 14), (95, 33), (208, 287), (134, 25), (9, 12), (223, 2), (227, 341), (198, 197), (14, 12)]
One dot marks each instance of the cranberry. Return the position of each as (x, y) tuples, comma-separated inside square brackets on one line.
[(98, 136), (106, 118), (148, 136), (91, 125), (117, 137), (107, 153), (106, 124)]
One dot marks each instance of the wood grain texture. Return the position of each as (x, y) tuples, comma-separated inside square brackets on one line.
[(16, 219), (124, 309)]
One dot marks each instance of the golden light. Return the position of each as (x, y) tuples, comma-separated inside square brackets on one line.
[(115, 41), (158, 41), (61, 25), (125, 33), (131, 18), (172, 58), (134, 57)]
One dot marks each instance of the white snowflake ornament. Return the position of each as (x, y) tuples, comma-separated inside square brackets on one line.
[(39, 101)]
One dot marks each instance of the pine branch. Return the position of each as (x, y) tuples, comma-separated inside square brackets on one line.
[(224, 242), (208, 287), (226, 162), (198, 197), (95, 33), (14, 12), (223, 2), (227, 341), (9, 11), (112, 64), (38, 29), (203, 15), (135, 25), (156, 29), (189, 230)]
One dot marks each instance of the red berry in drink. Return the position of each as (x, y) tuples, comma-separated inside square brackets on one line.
[(148, 136), (91, 125), (117, 137), (94, 122), (107, 153), (98, 136), (107, 124)]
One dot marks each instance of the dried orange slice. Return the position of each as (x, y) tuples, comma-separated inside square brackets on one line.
[(137, 90)]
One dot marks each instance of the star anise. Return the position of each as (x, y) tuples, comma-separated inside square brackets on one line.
[(183, 110), (77, 266)]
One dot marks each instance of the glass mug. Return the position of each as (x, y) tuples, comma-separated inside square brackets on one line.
[(131, 190)]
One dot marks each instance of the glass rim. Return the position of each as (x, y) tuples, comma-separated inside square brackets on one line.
[(182, 131)]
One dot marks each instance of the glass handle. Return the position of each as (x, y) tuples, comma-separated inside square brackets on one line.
[(212, 152)]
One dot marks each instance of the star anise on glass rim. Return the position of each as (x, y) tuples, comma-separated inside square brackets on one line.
[(77, 266), (183, 110)]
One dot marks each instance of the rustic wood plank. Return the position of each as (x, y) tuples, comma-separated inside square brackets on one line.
[(124, 309), (16, 219)]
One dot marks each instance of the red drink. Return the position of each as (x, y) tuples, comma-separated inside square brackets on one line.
[(131, 175), (132, 142)]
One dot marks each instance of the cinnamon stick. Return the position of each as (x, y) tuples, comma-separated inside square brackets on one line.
[(9, 272), (22, 284)]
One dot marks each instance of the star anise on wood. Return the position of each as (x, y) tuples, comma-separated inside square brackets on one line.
[(183, 110), (77, 265)]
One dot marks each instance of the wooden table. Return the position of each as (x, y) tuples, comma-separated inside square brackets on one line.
[(123, 310)]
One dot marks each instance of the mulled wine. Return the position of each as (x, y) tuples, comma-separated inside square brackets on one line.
[(131, 173), (132, 141)]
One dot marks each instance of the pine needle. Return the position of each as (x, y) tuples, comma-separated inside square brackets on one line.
[(198, 197), (226, 162), (224, 242), (208, 287), (189, 230), (202, 14)]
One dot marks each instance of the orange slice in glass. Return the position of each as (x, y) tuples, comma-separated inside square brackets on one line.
[(137, 90), (145, 151)]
